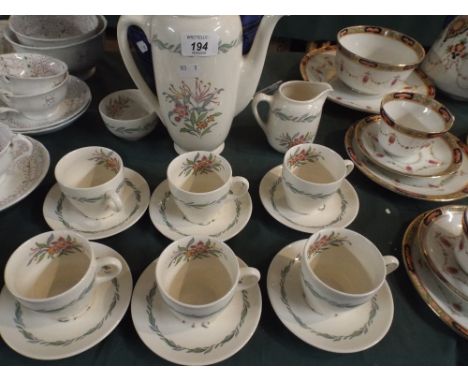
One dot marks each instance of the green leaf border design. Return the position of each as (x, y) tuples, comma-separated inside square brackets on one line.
[(303, 193), (304, 118), (223, 47), (152, 324)]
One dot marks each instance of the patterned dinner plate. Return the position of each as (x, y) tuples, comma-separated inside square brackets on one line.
[(352, 331), (339, 211), (319, 65), (193, 343), (37, 336)]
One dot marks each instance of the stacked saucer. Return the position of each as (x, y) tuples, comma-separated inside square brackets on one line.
[(433, 251)]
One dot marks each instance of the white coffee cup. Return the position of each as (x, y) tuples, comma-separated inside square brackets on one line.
[(311, 174), (201, 182), (295, 112), (198, 276), (9, 143), (56, 273), (341, 269), (91, 178)]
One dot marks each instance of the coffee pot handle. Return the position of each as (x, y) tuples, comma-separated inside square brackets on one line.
[(260, 97), (143, 22)]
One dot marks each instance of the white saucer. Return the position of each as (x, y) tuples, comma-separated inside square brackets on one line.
[(441, 189), (442, 157), (35, 336), (340, 209), (169, 220), (187, 343), (76, 102), (319, 65), (27, 175), (451, 309), (60, 214), (352, 331)]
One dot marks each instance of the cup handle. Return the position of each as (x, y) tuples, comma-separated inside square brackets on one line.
[(113, 201), (27, 142), (110, 266), (248, 277), (349, 166), (239, 187), (5, 78), (260, 97), (8, 110), (391, 263)]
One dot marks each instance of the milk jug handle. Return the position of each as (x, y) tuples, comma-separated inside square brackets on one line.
[(144, 22)]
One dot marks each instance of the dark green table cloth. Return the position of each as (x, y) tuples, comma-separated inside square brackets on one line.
[(416, 337)]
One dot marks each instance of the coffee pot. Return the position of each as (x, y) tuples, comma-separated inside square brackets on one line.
[(202, 79)]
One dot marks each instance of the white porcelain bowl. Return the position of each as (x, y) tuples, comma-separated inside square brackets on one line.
[(30, 73), (375, 60), (53, 30), (127, 114), (80, 57), (410, 122)]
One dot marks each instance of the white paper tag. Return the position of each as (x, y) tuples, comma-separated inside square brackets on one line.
[(199, 44), (189, 70), (142, 46)]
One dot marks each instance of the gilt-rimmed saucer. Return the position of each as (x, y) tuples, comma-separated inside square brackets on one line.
[(60, 214), (169, 220), (451, 309), (76, 102), (193, 343), (339, 211), (439, 236), (26, 176), (349, 332), (319, 65), (442, 157), (442, 189), (36, 336)]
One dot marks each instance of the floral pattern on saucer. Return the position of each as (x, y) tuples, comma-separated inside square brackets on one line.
[(319, 65), (352, 331), (28, 174), (339, 210), (185, 343)]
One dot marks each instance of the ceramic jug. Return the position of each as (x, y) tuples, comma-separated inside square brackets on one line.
[(202, 79), (447, 61)]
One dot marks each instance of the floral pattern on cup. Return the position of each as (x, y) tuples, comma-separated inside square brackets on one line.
[(325, 242), (194, 109), (115, 106), (108, 160), (193, 251), (53, 248), (287, 141), (300, 157), (204, 165)]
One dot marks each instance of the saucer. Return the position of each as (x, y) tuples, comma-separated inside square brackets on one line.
[(340, 209), (442, 189), (452, 310), (169, 220), (442, 157), (319, 65), (76, 102), (188, 343), (60, 214), (349, 332), (28, 174), (439, 235), (35, 336)]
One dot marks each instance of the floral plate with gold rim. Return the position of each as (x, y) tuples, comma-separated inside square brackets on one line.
[(442, 157), (439, 235), (319, 65), (26, 176), (443, 189), (451, 309), (36, 336), (169, 220), (59, 213), (352, 331), (193, 343), (340, 209)]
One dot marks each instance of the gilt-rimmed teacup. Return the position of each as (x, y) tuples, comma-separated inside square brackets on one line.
[(311, 174), (201, 182), (9, 142), (198, 276), (91, 178), (56, 273)]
